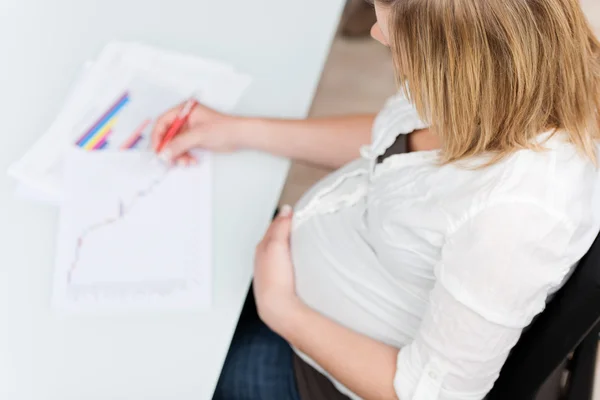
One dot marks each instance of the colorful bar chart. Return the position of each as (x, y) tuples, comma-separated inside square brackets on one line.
[(96, 136), (136, 137)]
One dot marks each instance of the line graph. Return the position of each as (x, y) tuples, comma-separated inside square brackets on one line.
[(134, 234), (123, 211)]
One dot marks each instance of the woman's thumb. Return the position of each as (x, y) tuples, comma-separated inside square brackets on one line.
[(283, 224)]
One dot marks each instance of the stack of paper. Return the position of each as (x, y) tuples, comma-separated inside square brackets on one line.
[(154, 81), (133, 232)]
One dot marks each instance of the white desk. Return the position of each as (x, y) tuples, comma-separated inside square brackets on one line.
[(175, 356)]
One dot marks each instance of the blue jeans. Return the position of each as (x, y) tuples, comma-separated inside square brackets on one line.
[(259, 365)]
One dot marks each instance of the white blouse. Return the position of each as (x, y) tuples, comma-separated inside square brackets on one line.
[(446, 263)]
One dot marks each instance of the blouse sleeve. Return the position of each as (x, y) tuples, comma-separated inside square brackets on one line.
[(496, 272)]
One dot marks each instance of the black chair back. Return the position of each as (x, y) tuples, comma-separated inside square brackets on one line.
[(570, 316)]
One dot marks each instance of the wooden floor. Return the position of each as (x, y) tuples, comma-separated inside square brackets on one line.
[(358, 77)]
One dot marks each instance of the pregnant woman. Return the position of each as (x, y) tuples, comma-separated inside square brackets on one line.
[(411, 271)]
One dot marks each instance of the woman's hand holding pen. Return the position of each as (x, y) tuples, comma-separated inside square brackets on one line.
[(205, 128)]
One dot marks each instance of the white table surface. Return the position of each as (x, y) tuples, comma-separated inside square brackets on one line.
[(174, 355)]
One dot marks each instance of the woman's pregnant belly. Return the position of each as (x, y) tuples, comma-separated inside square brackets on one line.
[(338, 274)]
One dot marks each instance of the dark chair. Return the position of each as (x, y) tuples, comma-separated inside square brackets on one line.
[(566, 333)]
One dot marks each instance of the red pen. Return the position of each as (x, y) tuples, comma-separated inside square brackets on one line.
[(179, 121)]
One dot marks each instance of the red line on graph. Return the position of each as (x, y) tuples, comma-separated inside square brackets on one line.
[(123, 211)]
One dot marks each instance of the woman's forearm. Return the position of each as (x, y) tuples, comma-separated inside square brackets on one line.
[(330, 142), (365, 366)]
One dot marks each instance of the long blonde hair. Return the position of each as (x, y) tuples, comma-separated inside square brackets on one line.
[(491, 75)]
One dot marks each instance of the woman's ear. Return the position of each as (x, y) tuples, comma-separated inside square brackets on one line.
[(378, 35), (380, 30)]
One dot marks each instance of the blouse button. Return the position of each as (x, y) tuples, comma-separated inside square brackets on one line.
[(433, 375)]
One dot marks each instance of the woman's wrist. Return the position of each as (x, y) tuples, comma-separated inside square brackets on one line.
[(290, 323), (246, 132)]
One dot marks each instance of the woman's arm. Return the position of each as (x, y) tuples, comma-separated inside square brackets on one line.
[(329, 142), (365, 366)]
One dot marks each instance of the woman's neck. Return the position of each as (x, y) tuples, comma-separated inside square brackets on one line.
[(423, 140)]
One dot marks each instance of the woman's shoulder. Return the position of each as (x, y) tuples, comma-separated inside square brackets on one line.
[(558, 179), (412, 189)]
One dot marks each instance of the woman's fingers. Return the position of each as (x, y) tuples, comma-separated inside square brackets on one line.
[(161, 127), (181, 144), (186, 160), (280, 228)]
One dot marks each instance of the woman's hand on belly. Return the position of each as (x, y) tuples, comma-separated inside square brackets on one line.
[(274, 286), (360, 363)]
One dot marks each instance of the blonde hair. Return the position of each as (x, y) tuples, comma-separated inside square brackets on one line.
[(491, 75)]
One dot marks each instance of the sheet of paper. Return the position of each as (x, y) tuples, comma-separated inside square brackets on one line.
[(119, 66), (33, 194), (142, 102), (133, 234)]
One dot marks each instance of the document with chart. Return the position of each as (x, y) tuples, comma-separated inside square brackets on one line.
[(134, 233), (115, 102)]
